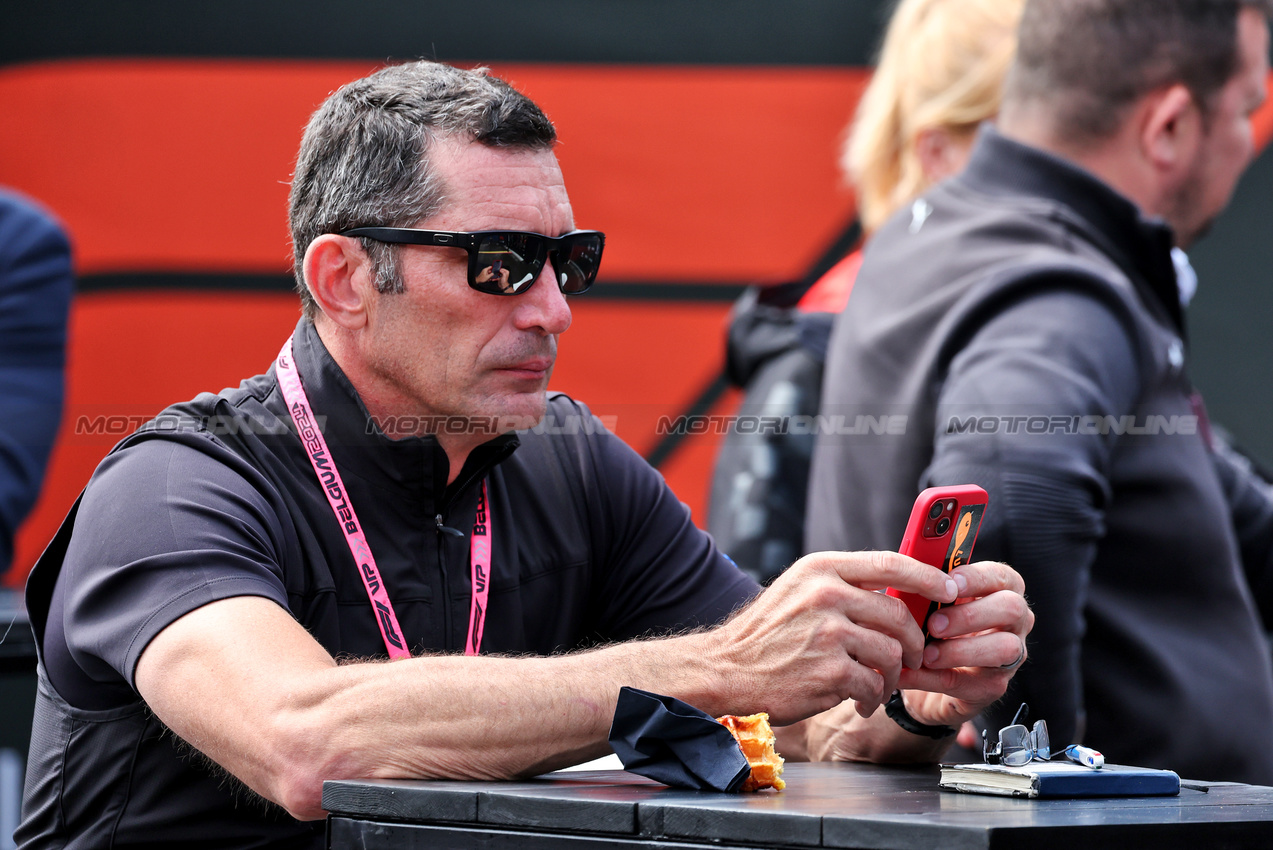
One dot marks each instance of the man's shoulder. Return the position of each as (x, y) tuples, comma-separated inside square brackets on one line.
[(229, 430), (934, 280), (958, 211), (234, 411), (190, 440), (976, 246), (25, 219), (34, 241)]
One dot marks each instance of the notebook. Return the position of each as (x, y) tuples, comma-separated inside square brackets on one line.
[(1059, 779)]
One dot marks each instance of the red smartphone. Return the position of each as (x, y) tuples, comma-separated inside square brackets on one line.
[(942, 530)]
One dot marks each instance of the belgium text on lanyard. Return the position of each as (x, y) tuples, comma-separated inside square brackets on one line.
[(338, 497)]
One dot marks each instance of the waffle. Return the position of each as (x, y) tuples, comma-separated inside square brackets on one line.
[(756, 739)]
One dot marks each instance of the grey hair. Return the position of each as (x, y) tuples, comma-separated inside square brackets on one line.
[(364, 157), (1090, 60)]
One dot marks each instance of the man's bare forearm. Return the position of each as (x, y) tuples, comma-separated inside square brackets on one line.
[(492, 717), (285, 716)]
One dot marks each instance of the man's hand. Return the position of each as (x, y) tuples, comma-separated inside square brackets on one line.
[(822, 634), (981, 645)]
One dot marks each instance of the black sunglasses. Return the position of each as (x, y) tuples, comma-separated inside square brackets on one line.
[(508, 262)]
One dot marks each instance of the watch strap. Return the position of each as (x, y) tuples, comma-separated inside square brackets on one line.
[(896, 709)]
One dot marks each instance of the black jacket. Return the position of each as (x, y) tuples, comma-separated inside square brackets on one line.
[(1024, 319)]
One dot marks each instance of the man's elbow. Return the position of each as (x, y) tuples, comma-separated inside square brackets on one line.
[(299, 757), (300, 793)]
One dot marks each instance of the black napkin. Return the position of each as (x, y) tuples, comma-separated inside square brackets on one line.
[(675, 743)]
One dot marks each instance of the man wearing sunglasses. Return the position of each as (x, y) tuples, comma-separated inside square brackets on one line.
[(400, 485)]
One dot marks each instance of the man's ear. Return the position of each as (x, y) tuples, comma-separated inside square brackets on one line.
[(1171, 130), (340, 277)]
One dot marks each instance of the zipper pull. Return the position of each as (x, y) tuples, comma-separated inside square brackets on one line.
[(454, 532)]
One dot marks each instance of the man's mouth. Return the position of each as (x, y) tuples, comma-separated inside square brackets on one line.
[(530, 368)]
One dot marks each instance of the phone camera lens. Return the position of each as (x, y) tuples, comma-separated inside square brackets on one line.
[(935, 511), (943, 525)]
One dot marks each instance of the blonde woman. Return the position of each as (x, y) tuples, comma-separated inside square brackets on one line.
[(939, 75)]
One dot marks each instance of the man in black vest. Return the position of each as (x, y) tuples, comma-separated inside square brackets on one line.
[(1026, 319), (401, 485)]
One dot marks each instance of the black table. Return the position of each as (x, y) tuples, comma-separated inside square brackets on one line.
[(825, 805)]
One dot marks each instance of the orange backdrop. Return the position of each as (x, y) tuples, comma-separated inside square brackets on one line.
[(699, 175)]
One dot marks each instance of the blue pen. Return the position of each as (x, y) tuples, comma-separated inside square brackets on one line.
[(1085, 756)]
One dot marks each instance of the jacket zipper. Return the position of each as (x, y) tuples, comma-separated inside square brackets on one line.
[(444, 530)]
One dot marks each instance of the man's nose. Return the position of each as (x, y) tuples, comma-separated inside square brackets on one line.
[(545, 304)]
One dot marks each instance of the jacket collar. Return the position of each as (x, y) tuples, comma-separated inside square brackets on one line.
[(1140, 245), (417, 465)]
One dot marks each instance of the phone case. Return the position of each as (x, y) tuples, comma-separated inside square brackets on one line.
[(942, 530)]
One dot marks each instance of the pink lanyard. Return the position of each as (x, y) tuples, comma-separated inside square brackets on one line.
[(320, 457)]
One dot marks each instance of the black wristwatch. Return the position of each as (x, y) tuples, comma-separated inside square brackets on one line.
[(896, 709)]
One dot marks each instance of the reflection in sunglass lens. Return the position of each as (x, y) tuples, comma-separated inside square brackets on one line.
[(508, 262), (576, 262)]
